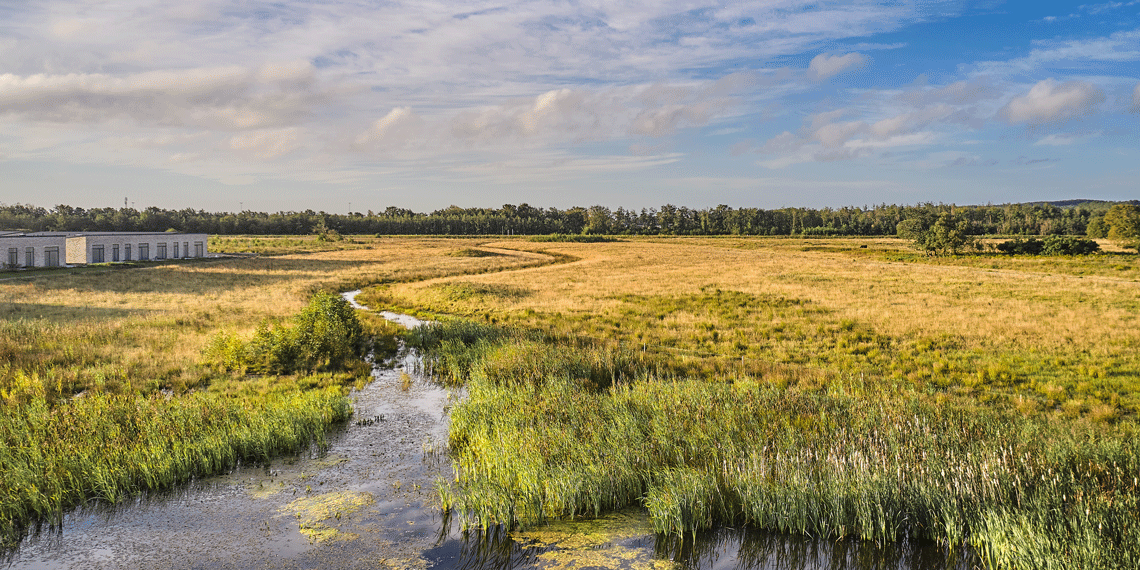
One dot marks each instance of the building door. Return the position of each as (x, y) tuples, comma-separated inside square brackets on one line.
[(198, 249), (115, 252), (96, 254), (51, 257), (30, 257), (127, 252), (144, 252), (13, 257)]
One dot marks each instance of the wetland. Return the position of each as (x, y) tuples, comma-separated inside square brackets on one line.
[(650, 402)]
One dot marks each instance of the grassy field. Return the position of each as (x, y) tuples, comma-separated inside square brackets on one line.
[(1050, 335), (105, 389), (838, 387)]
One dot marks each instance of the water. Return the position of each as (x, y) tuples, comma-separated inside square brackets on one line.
[(378, 475)]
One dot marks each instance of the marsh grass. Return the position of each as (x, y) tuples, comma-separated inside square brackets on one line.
[(557, 431), (1057, 337), (104, 390)]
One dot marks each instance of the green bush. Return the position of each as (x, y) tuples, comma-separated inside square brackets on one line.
[(325, 336), (1052, 245)]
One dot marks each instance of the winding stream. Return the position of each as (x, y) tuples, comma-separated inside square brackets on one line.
[(369, 503)]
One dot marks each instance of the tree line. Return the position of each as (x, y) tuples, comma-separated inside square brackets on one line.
[(1074, 218)]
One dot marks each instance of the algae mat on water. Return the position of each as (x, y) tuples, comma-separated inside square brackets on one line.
[(615, 540), (319, 517)]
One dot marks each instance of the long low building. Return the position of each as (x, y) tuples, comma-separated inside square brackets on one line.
[(49, 249)]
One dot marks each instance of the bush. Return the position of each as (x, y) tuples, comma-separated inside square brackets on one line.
[(325, 336), (1032, 246), (1052, 245)]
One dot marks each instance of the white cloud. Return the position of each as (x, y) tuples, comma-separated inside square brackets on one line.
[(265, 145), (396, 128), (1049, 100), (1056, 140), (230, 97), (823, 65)]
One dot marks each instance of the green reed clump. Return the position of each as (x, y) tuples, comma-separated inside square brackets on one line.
[(454, 350), (110, 446), (533, 441)]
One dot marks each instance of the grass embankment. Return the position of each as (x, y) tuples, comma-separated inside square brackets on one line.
[(815, 387), (124, 381)]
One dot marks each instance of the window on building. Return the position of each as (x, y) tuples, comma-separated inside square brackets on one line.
[(160, 252), (198, 249), (186, 248), (115, 252), (51, 256), (127, 252), (144, 252), (13, 256), (175, 250), (30, 257), (96, 254)]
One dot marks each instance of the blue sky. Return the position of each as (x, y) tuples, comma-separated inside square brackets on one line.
[(332, 105)]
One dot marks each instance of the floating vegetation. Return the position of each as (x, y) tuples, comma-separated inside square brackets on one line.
[(608, 541), (319, 517)]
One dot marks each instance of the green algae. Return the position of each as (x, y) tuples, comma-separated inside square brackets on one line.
[(605, 542), (319, 517)]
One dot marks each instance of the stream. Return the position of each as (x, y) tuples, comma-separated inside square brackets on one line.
[(370, 502)]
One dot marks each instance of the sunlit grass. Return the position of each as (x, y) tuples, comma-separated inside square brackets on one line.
[(722, 306), (105, 389)]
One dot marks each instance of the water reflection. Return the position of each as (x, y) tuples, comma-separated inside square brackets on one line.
[(739, 548), (625, 541)]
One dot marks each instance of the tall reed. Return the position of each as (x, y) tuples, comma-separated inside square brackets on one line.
[(537, 438), (109, 446)]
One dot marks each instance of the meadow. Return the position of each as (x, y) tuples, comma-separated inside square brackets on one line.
[(107, 388), (828, 386), (833, 387)]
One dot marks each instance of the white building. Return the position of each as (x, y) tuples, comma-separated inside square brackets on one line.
[(41, 249), (48, 249)]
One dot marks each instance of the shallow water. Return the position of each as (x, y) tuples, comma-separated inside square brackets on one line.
[(370, 502)]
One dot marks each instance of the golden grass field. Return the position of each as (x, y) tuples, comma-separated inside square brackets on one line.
[(1055, 334), (148, 325)]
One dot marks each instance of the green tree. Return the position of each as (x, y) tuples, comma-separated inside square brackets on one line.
[(1123, 221), (946, 234)]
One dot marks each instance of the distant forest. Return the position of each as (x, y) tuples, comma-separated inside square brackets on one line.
[(1071, 217)]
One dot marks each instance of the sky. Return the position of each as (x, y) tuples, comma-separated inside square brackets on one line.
[(355, 105)]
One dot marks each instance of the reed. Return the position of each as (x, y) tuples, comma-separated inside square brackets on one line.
[(110, 446), (105, 392), (538, 438)]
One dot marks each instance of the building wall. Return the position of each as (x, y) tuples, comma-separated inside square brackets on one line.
[(78, 249), (82, 248), (38, 244)]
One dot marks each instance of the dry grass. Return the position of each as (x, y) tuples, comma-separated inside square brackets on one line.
[(1059, 331), (145, 327)]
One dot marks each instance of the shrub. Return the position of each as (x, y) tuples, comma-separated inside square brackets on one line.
[(326, 335), (1052, 245)]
